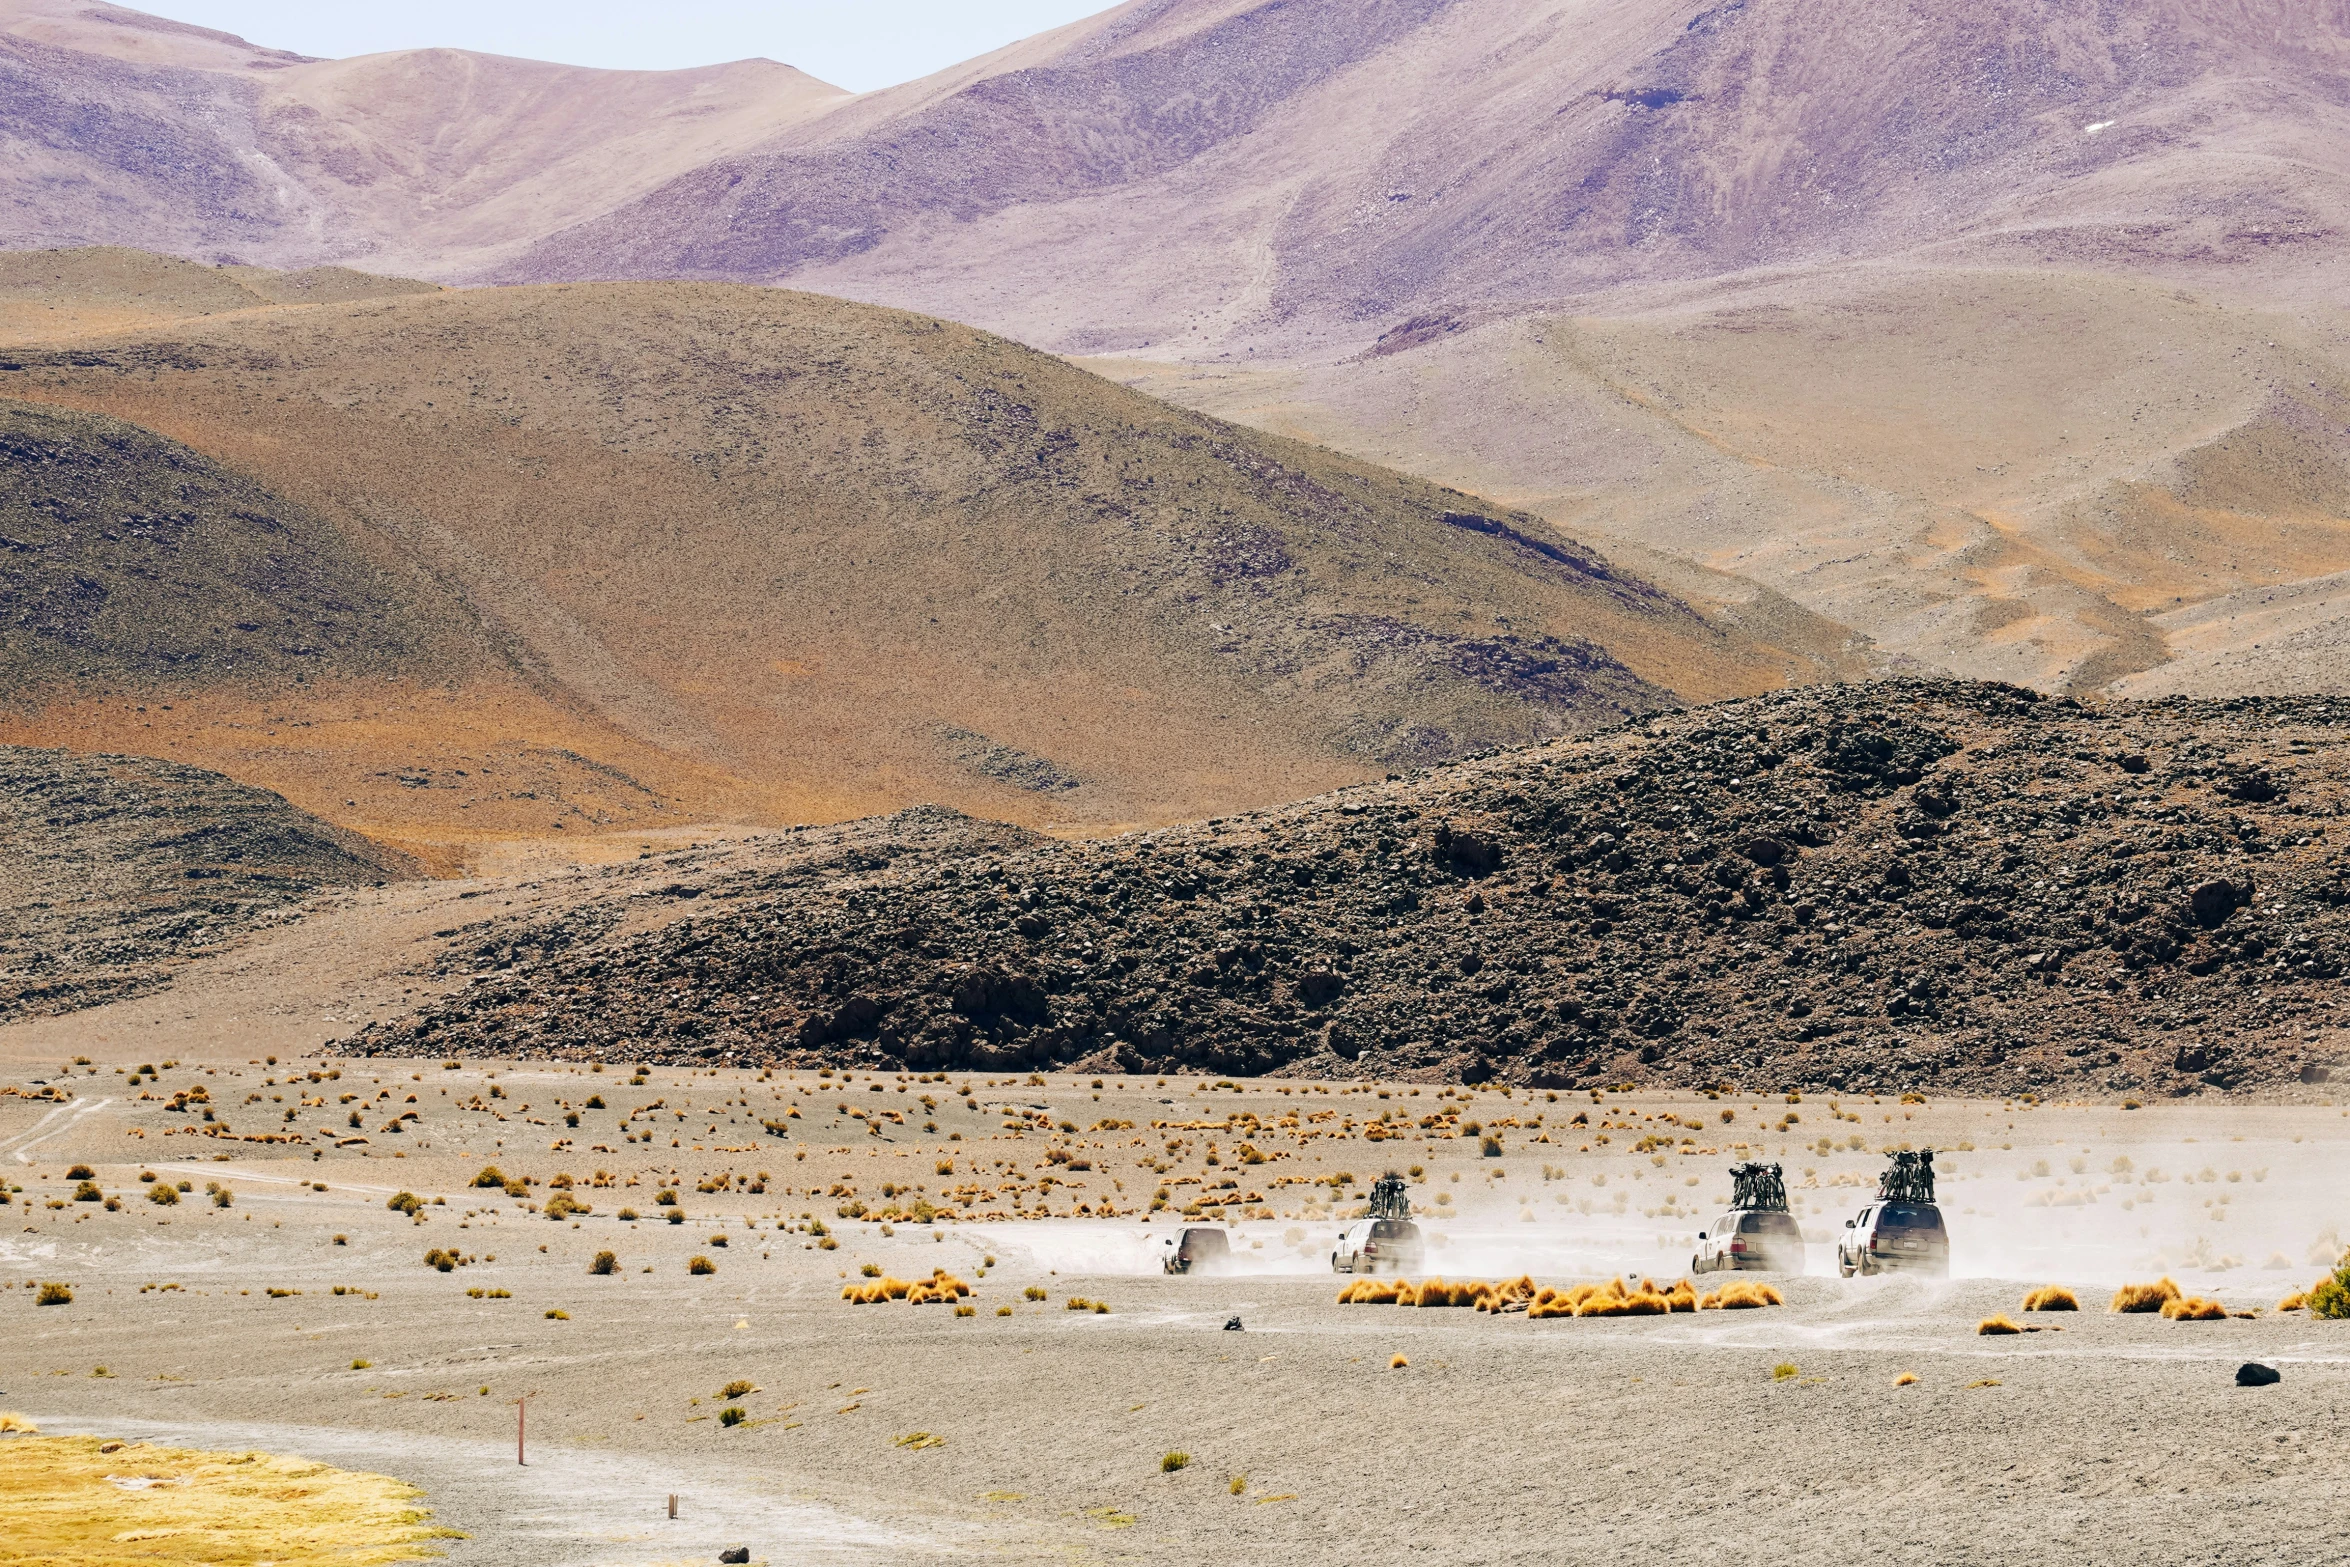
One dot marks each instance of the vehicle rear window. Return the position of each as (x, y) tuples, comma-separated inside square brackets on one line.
[(1909, 1216), (1394, 1230), (1769, 1224)]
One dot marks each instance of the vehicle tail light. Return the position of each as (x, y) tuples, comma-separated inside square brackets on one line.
[(1738, 1247)]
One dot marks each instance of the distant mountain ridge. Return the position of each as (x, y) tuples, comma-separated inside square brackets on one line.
[(1300, 167)]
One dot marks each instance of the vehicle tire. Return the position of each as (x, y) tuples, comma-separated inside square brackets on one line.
[(1843, 1269), (1696, 1267)]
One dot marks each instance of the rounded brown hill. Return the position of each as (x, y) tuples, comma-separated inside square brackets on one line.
[(857, 557)]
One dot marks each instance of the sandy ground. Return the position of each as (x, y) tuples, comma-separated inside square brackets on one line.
[(1503, 1439)]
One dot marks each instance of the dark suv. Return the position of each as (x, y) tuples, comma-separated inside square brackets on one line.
[(1893, 1233)]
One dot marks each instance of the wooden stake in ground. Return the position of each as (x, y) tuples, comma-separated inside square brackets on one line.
[(521, 1414)]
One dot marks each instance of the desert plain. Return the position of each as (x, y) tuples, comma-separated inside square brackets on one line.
[(298, 1312)]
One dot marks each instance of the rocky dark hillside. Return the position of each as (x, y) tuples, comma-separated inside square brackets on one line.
[(114, 869), (1930, 885)]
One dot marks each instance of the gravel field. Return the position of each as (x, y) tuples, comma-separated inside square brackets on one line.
[(1502, 1439)]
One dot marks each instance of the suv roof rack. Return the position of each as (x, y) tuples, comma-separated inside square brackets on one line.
[(1759, 1186), (1908, 1177), (1387, 1198)]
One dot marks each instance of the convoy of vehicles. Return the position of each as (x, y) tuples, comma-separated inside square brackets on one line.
[(1900, 1228)]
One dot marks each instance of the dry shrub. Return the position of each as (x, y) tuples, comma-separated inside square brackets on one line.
[(701, 1265), (54, 1293), (1997, 1325), (1174, 1461), (2194, 1309), (2294, 1301), (605, 1263), (740, 1387), (940, 1287), (1906, 1379), (1373, 1292), (1742, 1295), (879, 1290), (2052, 1297), (2329, 1297), (1435, 1292), (2144, 1297), (1397, 1363), (1602, 1300), (1496, 1297)]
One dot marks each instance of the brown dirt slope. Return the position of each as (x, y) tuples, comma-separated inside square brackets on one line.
[(122, 868), (869, 558), (129, 560), (1866, 887), (2074, 482), (52, 296)]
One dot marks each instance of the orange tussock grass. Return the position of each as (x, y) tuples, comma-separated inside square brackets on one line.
[(2294, 1302), (1397, 1363), (1906, 1379), (1742, 1295), (2145, 1297), (1436, 1292), (1647, 1299), (2193, 1309), (1495, 1296), (1999, 1324), (2052, 1297), (941, 1286), (1371, 1292)]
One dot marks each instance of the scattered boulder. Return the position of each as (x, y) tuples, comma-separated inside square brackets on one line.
[(2253, 1374)]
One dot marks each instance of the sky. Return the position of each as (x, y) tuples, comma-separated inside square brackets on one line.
[(857, 44)]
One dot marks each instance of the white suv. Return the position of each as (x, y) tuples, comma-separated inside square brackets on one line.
[(1890, 1233), (1379, 1246)]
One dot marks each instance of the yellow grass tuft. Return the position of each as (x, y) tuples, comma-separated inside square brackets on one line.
[(222, 1507), (1997, 1325), (2144, 1297), (1438, 1293), (2052, 1297), (1372, 1292), (1742, 1295), (1906, 1379), (2294, 1301), (2194, 1309), (1397, 1362), (14, 1424)]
